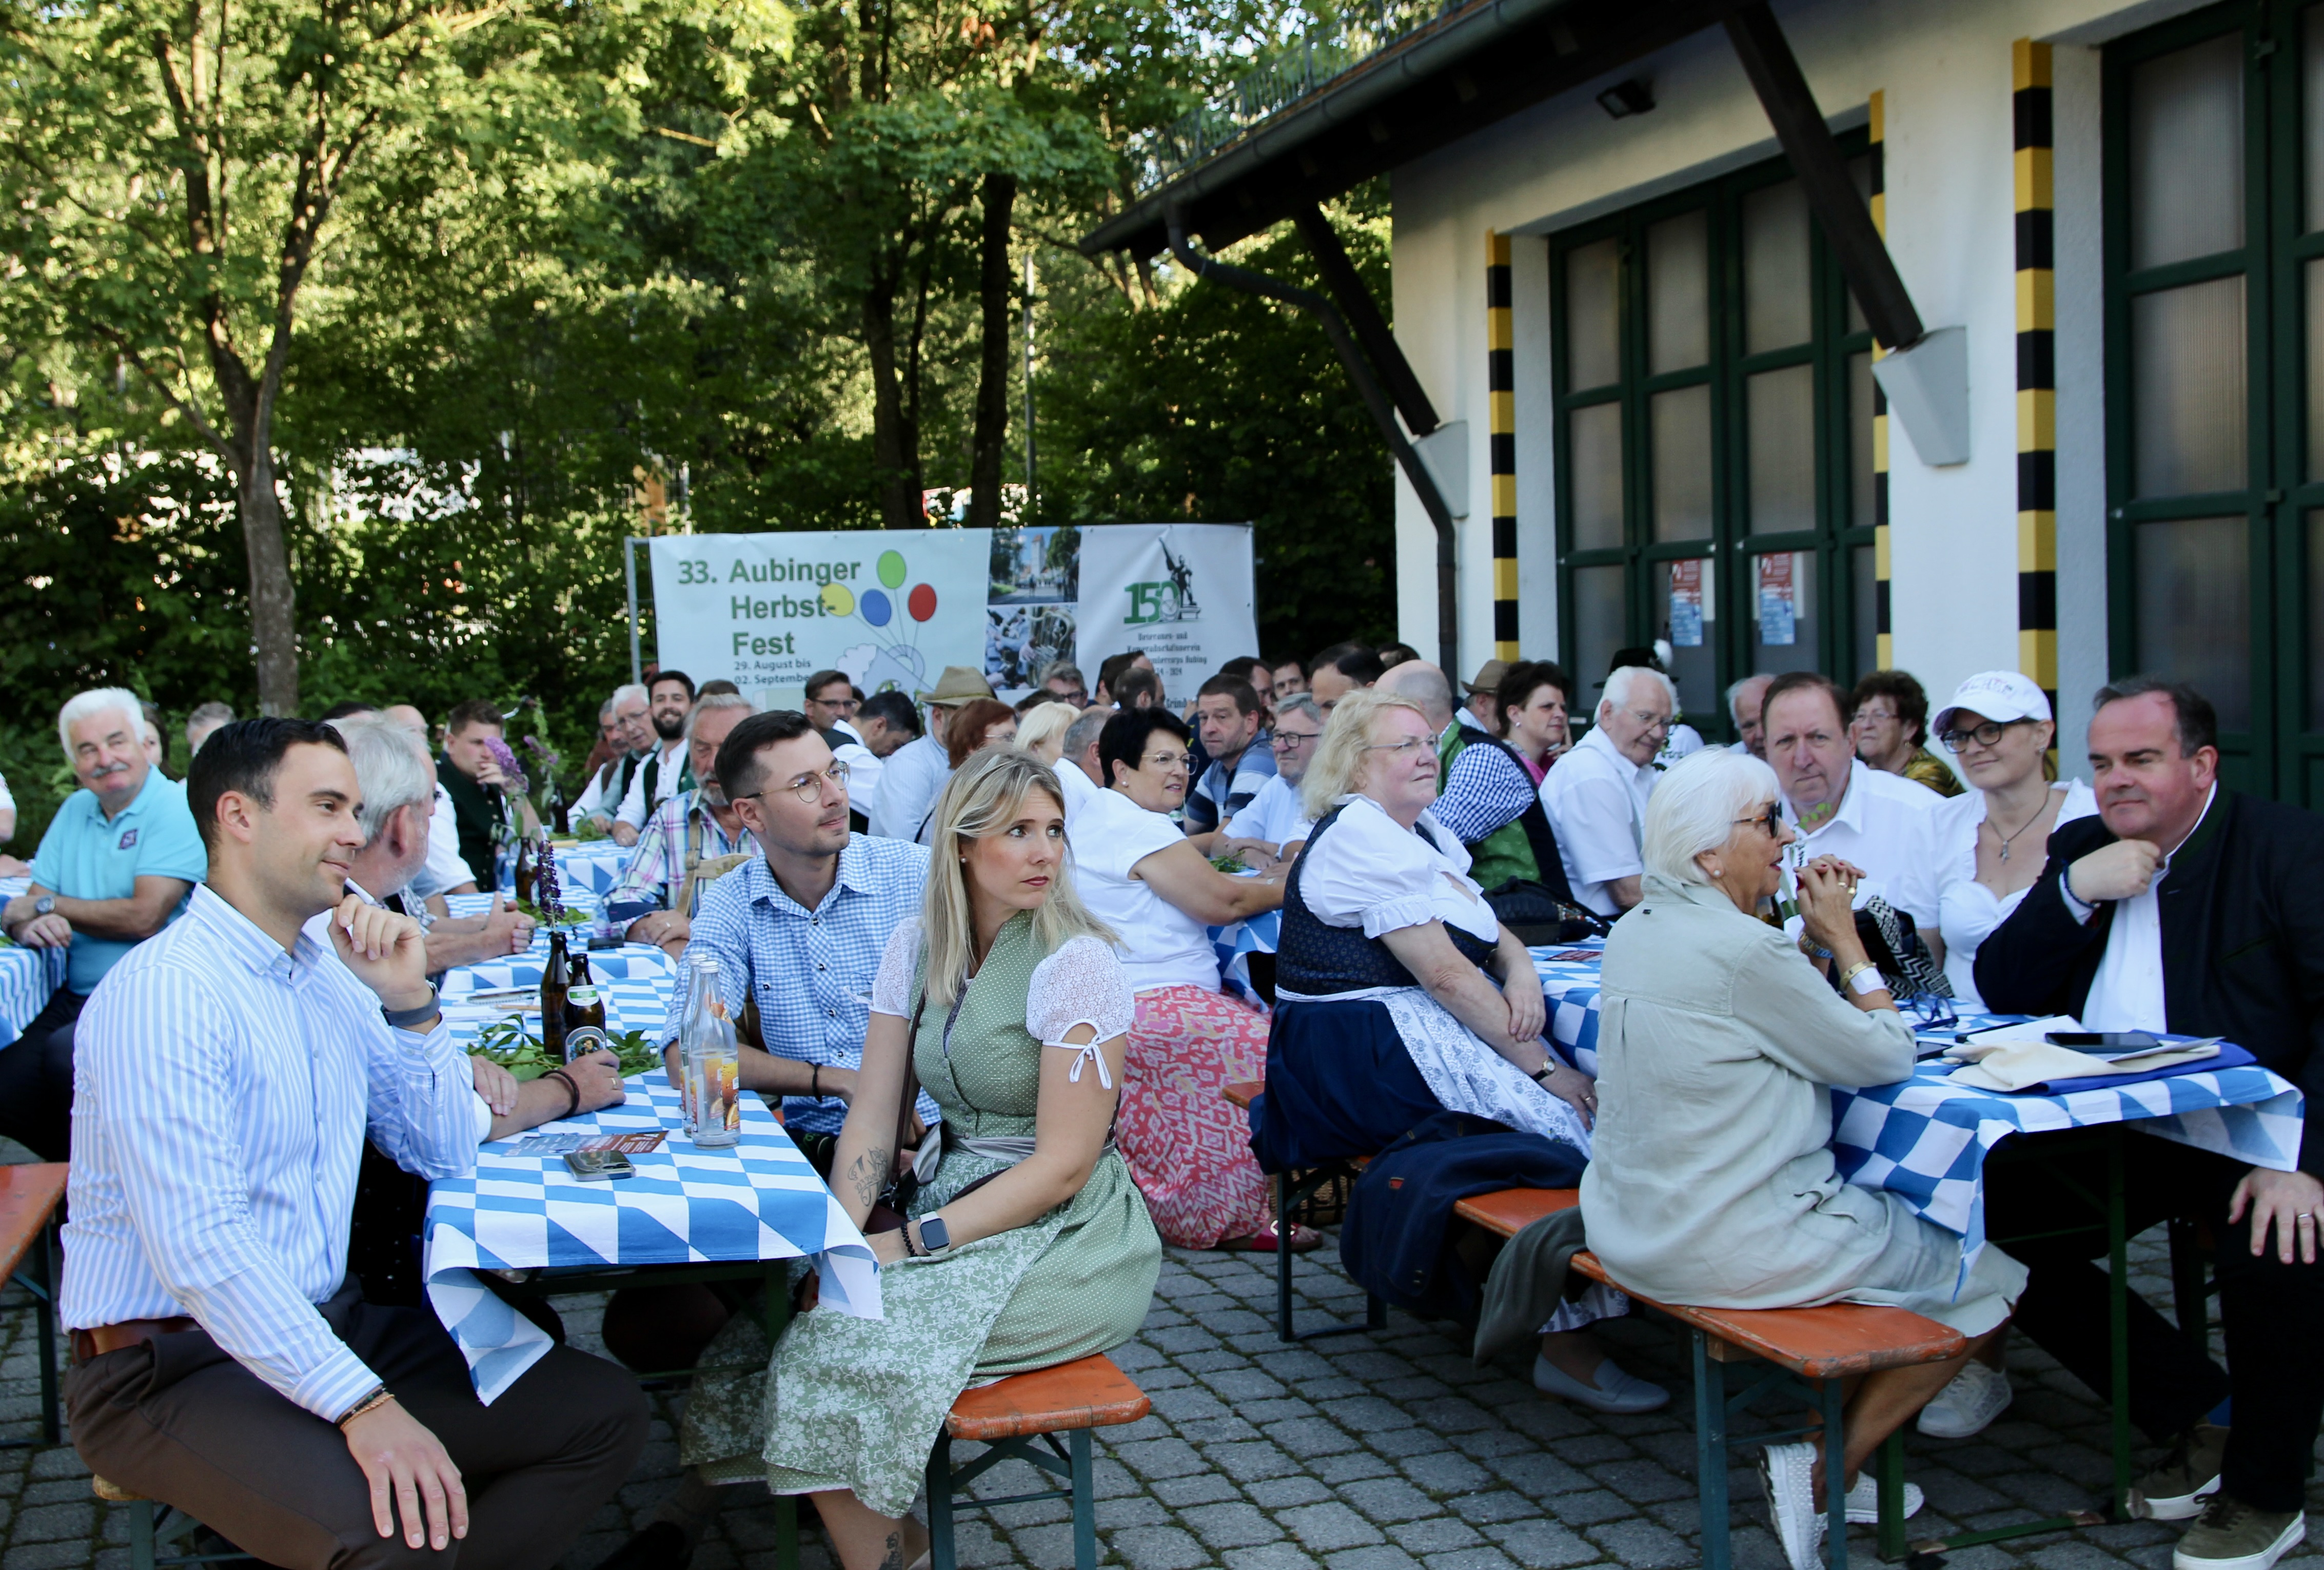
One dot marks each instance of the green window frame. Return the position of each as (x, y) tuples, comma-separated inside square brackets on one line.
[(1808, 495), (2194, 543)]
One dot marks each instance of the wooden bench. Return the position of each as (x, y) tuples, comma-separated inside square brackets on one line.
[(1292, 1189), (29, 1197), (1812, 1350), (1009, 1415)]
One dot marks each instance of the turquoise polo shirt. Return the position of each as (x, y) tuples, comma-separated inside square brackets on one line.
[(84, 857)]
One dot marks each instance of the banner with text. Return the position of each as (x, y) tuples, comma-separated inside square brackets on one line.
[(1181, 592), (892, 608), (767, 611)]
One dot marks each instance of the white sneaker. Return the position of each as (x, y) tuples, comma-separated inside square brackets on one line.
[(1864, 1501), (1787, 1477), (1975, 1396)]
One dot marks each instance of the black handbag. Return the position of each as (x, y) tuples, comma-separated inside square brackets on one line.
[(1892, 944), (1539, 917)]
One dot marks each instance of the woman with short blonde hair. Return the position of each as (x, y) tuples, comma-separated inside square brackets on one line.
[(1041, 730), (1028, 1245)]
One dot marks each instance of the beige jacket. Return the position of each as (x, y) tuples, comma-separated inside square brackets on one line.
[(1709, 1179)]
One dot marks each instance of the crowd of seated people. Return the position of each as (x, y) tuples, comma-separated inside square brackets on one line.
[(1019, 902)]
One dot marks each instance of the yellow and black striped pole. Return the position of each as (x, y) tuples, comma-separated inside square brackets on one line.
[(2037, 371), (1500, 388), (1884, 640)]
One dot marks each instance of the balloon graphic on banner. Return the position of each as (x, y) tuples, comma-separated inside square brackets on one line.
[(891, 569), (839, 599), (923, 602), (875, 607)]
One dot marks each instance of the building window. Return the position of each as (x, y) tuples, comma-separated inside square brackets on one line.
[(1714, 439), (2215, 300)]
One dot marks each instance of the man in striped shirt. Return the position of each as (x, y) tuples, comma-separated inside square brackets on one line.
[(229, 1071)]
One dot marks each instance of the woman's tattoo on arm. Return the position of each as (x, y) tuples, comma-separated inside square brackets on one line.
[(894, 1558), (867, 1175)]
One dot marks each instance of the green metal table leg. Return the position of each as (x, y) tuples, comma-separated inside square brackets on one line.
[(1891, 1463), (942, 1555), (2118, 1327), (1084, 1486), (775, 1305), (1835, 1475), (44, 1315), (1710, 1453)]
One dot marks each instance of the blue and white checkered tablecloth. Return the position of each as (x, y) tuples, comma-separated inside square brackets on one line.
[(592, 867), (1236, 942), (1926, 1138), (29, 977), (759, 1200), (633, 964)]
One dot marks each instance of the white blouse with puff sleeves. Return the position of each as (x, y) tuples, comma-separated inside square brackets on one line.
[(1370, 870), (1082, 983)]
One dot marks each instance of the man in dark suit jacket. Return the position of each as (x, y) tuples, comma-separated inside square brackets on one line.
[(2189, 908)]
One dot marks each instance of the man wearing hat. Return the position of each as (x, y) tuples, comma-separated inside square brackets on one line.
[(915, 772), (1482, 714)]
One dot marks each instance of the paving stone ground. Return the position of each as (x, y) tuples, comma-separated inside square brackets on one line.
[(1374, 1450)]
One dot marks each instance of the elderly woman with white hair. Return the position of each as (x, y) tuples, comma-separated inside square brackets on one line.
[(1400, 995), (1712, 1181)]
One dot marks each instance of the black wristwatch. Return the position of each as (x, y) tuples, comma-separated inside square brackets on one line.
[(1541, 1075), (405, 1019)]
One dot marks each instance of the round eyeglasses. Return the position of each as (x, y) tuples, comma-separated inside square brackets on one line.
[(1957, 740), (808, 788)]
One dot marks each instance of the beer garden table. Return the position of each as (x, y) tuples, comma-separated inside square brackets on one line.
[(28, 976)]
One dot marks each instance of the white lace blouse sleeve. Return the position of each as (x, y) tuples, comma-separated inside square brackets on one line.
[(891, 989), (1369, 871), (1082, 983)]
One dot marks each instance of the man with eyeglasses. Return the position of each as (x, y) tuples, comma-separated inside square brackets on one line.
[(632, 733), (797, 930), (1596, 794), (1884, 824), (830, 704), (662, 887), (1273, 828)]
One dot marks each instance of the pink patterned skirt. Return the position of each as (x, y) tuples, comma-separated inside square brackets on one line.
[(1188, 1149)]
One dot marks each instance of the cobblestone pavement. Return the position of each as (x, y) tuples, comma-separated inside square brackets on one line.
[(1373, 1451)]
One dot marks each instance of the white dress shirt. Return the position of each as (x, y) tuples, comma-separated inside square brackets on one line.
[(1886, 825), (2127, 993), (595, 799), (909, 784), (223, 1089), (635, 807), (1160, 944), (445, 869), (1596, 799), (1275, 815), (1078, 787)]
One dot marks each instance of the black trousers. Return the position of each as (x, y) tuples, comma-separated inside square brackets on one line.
[(2272, 1314), (36, 1078), (176, 1419)]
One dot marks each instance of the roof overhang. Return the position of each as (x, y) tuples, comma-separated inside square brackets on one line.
[(1481, 62)]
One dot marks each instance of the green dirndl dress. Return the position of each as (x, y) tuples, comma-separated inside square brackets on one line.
[(857, 1403)]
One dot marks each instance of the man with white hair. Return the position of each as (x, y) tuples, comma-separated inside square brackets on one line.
[(446, 872), (1077, 767), (601, 798), (1745, 700), (114, 868), (398, 782), (1596, 795)]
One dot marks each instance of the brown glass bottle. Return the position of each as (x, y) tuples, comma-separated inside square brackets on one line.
[(524, 872), (556, 987)]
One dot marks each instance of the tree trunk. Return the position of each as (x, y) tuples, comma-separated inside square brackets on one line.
[(895, 433), (273, 627), (994, 294)]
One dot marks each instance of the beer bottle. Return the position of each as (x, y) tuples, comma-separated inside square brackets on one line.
[(555, 986), (524, 871), (585, 1005)]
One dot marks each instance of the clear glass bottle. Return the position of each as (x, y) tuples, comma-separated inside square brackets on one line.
[(717, 1065), (701, 982)]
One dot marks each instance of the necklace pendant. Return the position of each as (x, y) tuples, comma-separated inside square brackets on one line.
[(2005, 851)]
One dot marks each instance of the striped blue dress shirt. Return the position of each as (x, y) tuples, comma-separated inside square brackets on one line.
[(222, 1089), (811, 971)]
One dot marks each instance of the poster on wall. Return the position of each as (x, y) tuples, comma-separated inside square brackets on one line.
[(1181, 592), (892, 608), (767, 611), (1686, 604), (1778, 600)]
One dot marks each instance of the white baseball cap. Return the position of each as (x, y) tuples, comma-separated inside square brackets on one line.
[(2001, 696)]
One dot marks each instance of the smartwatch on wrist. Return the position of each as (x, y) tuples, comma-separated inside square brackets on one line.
[(935, 1235), (405, 1019)]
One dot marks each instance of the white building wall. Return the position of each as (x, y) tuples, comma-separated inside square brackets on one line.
[(1943, 68)]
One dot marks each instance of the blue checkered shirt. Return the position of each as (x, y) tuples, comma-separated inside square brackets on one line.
[(1484, 790), (810, 971)]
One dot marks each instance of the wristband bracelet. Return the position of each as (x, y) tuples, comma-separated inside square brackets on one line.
[(571, 1089), (815, 1082), (1849, 978), (379, 1398), (912, 1251)]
